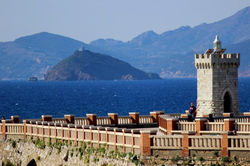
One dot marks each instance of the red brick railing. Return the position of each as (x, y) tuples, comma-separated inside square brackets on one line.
[(224, 134)]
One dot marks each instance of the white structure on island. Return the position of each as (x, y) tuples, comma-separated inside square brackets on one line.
[(217, 81)]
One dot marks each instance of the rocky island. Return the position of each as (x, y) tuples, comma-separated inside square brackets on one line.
[(87, 65)]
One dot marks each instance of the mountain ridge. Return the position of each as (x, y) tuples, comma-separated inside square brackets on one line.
[(169, 53)]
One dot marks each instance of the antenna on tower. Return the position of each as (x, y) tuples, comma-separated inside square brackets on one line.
[(217, 43)]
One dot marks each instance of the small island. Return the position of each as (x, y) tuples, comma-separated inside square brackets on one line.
[(87, 65)]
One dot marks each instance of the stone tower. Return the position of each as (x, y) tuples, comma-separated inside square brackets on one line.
[(217, 80)]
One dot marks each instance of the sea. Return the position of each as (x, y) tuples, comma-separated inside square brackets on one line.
[(31, 99)]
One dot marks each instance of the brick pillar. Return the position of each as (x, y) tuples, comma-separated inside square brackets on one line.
[(123, 140), (145, 143), (4, 129), (155, 116), (229, 124), (69, 134), (91, 136), (62, 132), (115, 140), (228, 115), (200, 124), (31, 128), (113, 118), (171, 124), (49, 130), (24, 129), (15, 119), (83, 133), (247, 114), (224, 144), (70, 119), (98, 136), (37, 130), (133, 141), (185, 144), (76, 135), (91, 118), (43, 131), (55, 132), (134, 117), (107, 138), (163, 123), (47, 118)]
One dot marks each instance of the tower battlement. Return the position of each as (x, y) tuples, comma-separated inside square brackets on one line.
[(218, 56), (204, 61)]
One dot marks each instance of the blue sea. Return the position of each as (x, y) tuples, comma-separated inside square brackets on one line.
[(33, 99)]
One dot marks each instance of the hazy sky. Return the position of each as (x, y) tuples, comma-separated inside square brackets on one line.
[(87, 20)]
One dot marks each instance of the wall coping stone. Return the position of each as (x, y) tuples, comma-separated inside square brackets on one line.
[(90, 114), (229, 119), (133, 112), (112, 113)]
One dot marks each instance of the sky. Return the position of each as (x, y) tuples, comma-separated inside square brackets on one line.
[(88, 20)]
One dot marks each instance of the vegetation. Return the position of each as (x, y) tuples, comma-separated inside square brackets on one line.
[(40, 144), (8, 163)]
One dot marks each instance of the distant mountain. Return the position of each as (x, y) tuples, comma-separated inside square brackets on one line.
[(171, 54), (33, 55), (244, 49), (86, 65)]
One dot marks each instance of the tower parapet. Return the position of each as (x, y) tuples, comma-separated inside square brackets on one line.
[(217, 80)]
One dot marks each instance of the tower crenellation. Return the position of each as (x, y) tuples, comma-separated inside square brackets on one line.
[(217, 80)]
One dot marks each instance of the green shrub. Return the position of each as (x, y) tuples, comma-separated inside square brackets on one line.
[(40, 144), (200, 158), (225, 159), (176, 159)]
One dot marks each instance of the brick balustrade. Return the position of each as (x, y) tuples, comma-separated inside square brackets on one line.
[(225, 134)]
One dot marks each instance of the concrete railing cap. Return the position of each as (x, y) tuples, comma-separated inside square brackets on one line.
[(171, 118), (133, 112), (69, 115), (188, 132), (46, 116), (157, 112), (112, 113), (90, 114), (86, 126), (16, 116), (93, 127), (229, 119), (64, 125), (50, 123), (136, 131), (145, 131), (200, 118)]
